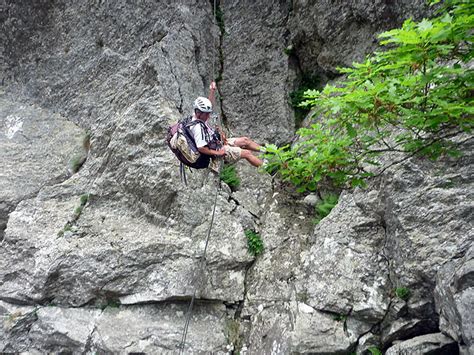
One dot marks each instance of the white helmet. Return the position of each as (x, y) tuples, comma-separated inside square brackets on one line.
[(203, 104)]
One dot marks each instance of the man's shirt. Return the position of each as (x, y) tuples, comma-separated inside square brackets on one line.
[(200, 136)]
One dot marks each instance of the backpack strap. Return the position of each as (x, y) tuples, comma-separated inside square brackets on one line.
[(182, 173), (204, 131)]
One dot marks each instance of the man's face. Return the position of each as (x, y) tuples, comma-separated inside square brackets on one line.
[(203, 116)]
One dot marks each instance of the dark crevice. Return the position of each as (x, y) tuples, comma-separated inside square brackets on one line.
[(375, 329), (88, 347), (219, 18), (157, 36), (166, 54), (240, 305)]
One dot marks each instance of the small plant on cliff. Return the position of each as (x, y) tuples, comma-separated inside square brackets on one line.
[(374, 351), (80, 208), (402, 293), (76, 163), (412, 99), (340, 317), (230, 177), (324, 207), (232, 333), (308, 82), (290, 50), (75, 216), (254, 243), (220, 19)]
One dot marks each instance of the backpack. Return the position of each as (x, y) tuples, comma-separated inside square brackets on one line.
[(180, 140)]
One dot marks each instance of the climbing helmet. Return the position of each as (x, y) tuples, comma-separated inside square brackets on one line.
[(203, 104)]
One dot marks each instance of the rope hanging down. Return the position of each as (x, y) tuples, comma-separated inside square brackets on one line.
[(200, 271)]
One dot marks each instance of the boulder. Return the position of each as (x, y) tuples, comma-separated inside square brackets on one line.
[(435, 343), (454, 296), (147, 328), (37, 147)]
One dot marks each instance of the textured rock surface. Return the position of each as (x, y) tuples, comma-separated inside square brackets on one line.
[(425, 344), (37, 148), (339, 33), (454, 295), (268, 47), (116, 275), (146, 328), (373, 241)]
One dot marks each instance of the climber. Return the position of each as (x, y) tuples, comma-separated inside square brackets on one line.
[(232, 149)]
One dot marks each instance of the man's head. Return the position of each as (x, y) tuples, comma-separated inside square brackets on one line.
[(202, 108)]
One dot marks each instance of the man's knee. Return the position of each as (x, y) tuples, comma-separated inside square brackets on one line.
[(243, 141), (245, 153)]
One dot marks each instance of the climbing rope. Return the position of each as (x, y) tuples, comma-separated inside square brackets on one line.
[(200, 271), (214, 21)]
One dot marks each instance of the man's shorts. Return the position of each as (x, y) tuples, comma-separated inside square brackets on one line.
[(232, 153)]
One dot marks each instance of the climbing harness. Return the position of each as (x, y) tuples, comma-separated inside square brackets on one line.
[(200, 271)]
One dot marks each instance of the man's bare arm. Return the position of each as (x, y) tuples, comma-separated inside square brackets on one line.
[(212, 93), (207, 151)]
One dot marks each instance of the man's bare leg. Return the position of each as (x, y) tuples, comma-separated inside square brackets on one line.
[(252, 159), (247, 143)]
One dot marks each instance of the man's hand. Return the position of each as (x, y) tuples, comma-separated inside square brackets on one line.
[(222, 134), (220, 152), (213, 86)]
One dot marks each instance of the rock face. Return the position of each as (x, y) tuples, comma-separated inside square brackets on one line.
[(454, 296), (101, 244), (268, 49), (425, 344), (38, 147)]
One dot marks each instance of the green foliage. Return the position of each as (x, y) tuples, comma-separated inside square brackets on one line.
[(232, 333), (76, 163), (302, 296), (84, 199), (67, 228), (324, 207), (340, 317), (308, 82), (411, 98), (290, 50), (254, 243), (86, 141), (75, 216), (229, 176), (78, 211), (220, 19), (110, 303), (402, 293), (374, 350)]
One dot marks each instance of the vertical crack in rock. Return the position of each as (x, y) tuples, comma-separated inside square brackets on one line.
[(170, 65), (238, 313), (5, 210), (88, 347), (383, 253), (219, 21)]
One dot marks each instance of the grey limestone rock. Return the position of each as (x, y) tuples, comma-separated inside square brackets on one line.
[(148, 328), (436, 343), (124, 71), (339, 33), (454, 296), (37, 147)]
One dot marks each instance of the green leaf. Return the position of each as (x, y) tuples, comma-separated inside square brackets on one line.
[(405, 98), (351, 131), (425, 25)]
